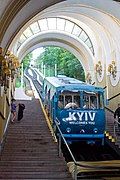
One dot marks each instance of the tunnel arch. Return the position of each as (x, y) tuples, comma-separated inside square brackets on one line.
[(87, 17), (76, 48), (95, 17)]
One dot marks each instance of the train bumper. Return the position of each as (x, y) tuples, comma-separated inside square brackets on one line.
[(79, 136)]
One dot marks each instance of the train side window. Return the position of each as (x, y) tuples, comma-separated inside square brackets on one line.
[(61, 102)]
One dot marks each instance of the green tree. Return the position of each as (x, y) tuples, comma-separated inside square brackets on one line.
[(67, 63), (26, 60)]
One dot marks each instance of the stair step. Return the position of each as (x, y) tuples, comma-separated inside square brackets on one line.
[(34, 175), (30, 151)]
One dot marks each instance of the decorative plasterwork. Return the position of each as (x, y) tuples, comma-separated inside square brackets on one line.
[(89, 78), (8, 67), (99, 71), (112, 69), (112, 72)]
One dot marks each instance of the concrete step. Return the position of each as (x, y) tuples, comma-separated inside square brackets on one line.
[(30, 151)]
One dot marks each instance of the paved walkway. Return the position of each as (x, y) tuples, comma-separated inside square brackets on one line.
[(20, 94)]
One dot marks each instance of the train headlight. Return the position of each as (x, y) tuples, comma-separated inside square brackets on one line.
[(82, 131), (68, 130), (95, 130)]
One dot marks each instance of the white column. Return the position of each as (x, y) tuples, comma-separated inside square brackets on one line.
[(42, 68), (22, 75), (49, 71), (44, 71), (55, 69)]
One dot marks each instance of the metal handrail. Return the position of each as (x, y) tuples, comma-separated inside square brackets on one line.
[(115, 121), (118, 123), (73, 158), (113, 97), (110, 110)]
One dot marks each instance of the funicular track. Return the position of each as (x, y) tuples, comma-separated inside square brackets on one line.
[(92, 155)]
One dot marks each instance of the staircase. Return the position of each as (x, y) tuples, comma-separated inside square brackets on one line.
[(30, 151), (115, 140)]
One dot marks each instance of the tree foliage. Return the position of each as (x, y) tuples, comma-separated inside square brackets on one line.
[(67, 63), (26, 60)]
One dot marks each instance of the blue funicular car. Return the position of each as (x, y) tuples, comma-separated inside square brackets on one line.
[(77, 106)]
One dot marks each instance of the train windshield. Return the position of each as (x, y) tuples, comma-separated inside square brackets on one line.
[(92, 100), (85, 100), (69, 100)]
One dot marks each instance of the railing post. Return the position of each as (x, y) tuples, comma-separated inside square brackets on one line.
[(75, 171), (59, 146)]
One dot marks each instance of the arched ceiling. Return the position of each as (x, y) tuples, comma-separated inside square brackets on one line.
[(54, 24), (100, 20)]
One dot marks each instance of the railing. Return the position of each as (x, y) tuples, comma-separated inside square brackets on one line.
[(84, 165), (115, 123), (113, 97), (110, 110), (118, 124)]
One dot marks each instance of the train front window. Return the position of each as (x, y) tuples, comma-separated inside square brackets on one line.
[(68, 99), (72, 101), (92, 100), (89, 100), (86, 101), (77, 100)]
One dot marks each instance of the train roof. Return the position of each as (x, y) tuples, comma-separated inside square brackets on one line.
[(67, 83)]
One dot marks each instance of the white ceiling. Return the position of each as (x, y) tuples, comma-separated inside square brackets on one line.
[(100, 19)]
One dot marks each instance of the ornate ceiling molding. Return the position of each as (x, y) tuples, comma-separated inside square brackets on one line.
[(13, 11), (10, 12)]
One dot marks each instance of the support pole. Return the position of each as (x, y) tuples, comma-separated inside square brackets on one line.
[(44, 71), (55, 69), (22, 75), (42, 68)]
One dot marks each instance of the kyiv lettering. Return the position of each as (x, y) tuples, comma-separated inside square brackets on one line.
[(80, 116)]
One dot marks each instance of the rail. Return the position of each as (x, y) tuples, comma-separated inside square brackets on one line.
[(113, 97), (82, 164), (116, 123), (110, 110)]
